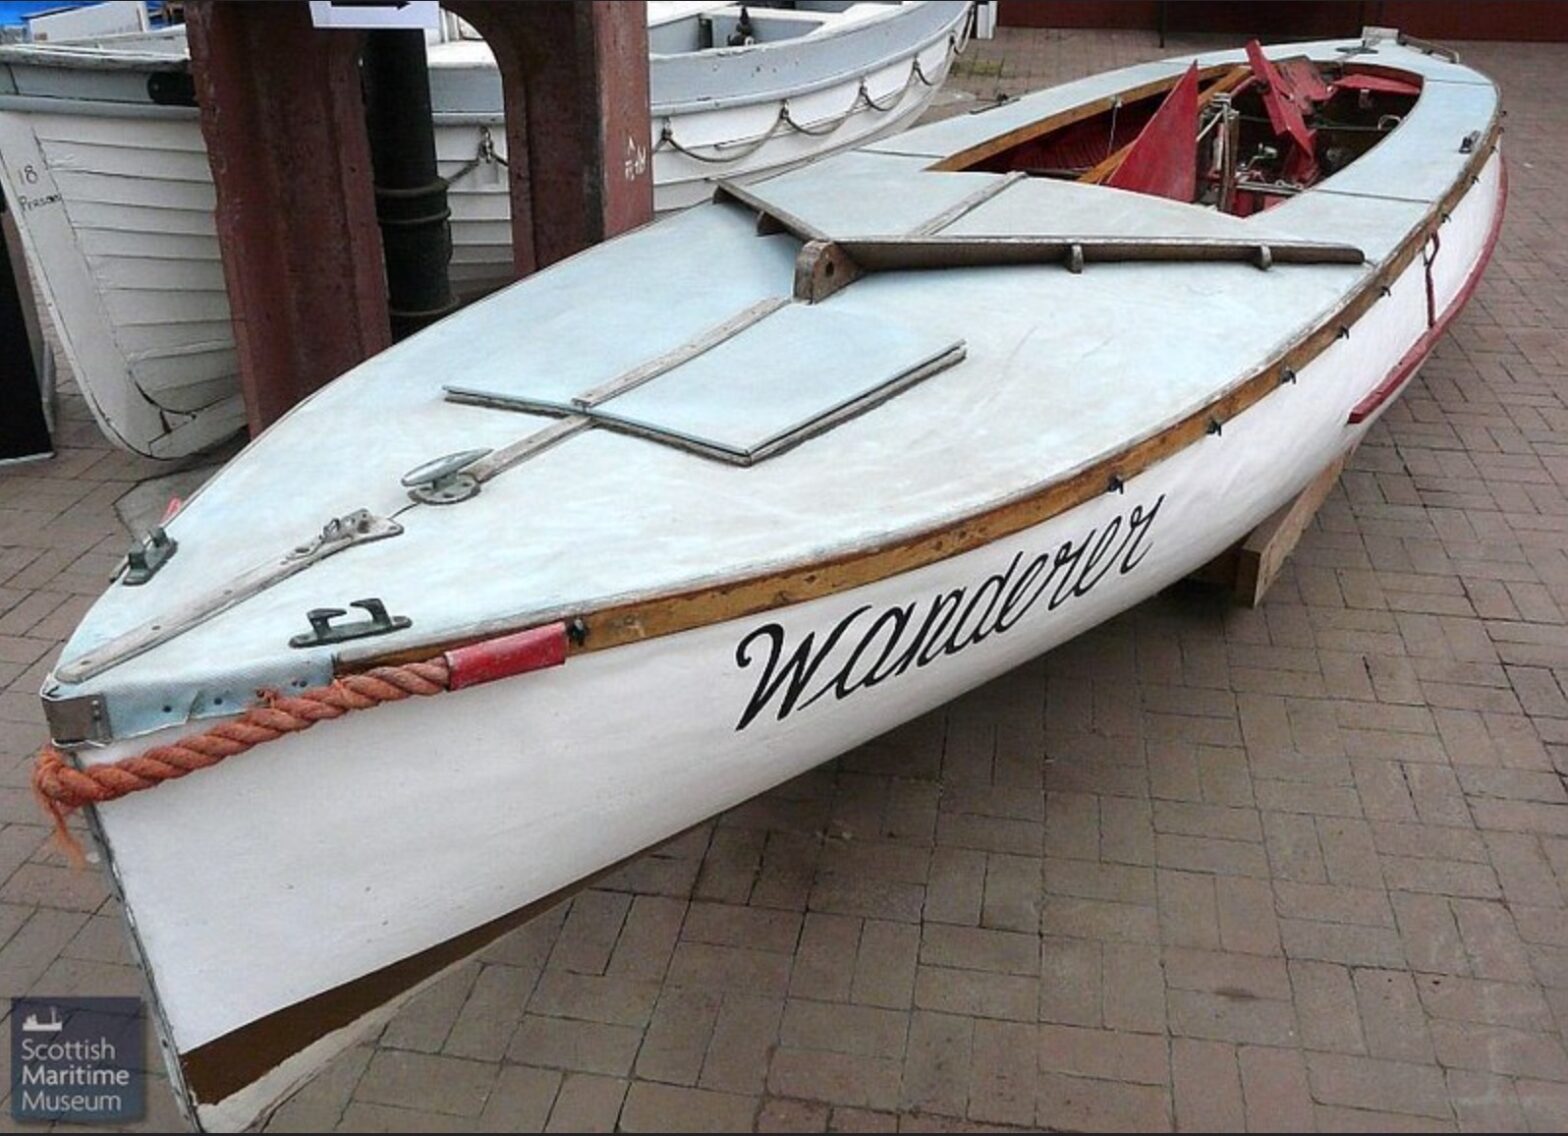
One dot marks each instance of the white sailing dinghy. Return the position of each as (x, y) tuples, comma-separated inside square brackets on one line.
[(695, 510), (103, 163)]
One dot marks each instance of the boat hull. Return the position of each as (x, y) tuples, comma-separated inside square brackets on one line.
[(442, 816)]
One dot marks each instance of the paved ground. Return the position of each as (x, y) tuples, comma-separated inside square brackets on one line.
[(1208, 868)]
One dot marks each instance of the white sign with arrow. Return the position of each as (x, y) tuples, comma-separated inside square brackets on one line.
[(375, 13)]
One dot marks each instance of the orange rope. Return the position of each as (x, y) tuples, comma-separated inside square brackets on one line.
[(62, 788)]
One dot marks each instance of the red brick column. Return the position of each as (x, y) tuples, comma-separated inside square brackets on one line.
[(285, 129), (575, 80)]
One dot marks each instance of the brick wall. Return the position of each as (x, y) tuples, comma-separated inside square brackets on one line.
[(1432, 19)]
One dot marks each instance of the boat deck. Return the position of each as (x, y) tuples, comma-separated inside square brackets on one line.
[(605, 516)]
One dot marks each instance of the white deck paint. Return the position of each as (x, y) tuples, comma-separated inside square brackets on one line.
[(1061, 370)]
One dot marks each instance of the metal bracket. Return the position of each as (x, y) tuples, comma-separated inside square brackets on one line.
[(77, 721), (323, 631), (442, 480), (340, 532), (358, 527), (143, 561)]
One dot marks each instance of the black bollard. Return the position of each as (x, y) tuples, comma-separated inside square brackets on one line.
[(411, 205)]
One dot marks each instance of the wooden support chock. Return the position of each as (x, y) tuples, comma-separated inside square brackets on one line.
[(822, 268), (1250, 568)]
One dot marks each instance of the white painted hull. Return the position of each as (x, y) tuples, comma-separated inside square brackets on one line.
[(1052, 472), (116, 215), (438, 815)]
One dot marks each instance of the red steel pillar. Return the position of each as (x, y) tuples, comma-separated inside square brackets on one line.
[(285, 128), (575, 83)]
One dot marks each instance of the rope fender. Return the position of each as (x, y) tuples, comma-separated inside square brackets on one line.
[(62, 788)]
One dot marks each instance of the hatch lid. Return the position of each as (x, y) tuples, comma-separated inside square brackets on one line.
[(777, 380)]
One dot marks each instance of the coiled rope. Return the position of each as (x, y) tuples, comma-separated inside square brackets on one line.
[(62, 787)]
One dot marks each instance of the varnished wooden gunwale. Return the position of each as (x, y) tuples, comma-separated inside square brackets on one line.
[(656, 616)]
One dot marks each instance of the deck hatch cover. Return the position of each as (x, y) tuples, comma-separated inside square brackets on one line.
[(780, 380)]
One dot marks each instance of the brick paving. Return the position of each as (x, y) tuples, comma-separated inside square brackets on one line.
[(1294, 868)]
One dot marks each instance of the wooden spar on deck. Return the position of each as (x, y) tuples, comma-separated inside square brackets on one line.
[(824, 267)]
